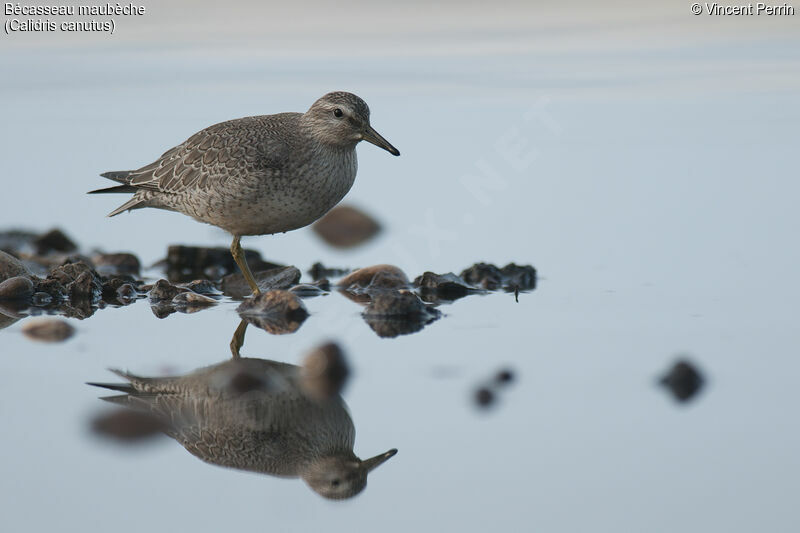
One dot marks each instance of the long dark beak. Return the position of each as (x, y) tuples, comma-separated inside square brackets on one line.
[(374, 462), (375, 138)]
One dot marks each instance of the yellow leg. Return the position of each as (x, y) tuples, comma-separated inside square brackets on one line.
[(238, 339), (238, 256)]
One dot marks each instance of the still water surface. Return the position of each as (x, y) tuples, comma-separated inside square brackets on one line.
[(648, 171)]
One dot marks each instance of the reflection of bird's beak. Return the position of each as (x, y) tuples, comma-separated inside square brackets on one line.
[(372, 136), (374, 462)]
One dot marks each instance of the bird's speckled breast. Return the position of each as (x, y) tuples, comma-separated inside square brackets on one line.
[(310, 183), (318, 186)]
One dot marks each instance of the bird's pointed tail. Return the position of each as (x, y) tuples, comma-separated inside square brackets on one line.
[(120, 176)]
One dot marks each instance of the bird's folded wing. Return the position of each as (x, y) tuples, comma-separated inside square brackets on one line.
[(212, 156)]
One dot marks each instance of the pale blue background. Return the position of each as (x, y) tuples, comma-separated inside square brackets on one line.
[(654, 187)]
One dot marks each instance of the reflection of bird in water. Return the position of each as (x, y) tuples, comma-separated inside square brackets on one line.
[(258, 175), (252, 414)]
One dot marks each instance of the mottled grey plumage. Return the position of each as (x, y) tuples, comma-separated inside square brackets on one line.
[(252, 414), (258, 175)]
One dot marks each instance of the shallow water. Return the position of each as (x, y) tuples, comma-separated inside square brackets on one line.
[(650, 179)]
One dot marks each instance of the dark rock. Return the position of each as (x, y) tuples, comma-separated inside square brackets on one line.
[(187, 262), (17, 288), (163, 290), (235, 286), (201, 286), (504, 377), (128, 426), (448, 287), (80, 308), (126, 293), (511, 277), (308, 290), (683, 380), (393, 313), (324, 372), (319, 271), (163, 309), (375, 277), (276, 311), (79, 280), (52, 287), (346, 227), (48, 330), (389, 328), (484, 397), (400, 304), (111, 287), (521, 278), (86, 287), (119, 263), (483, 275), (54, 241), (11, 267), (193, 300)]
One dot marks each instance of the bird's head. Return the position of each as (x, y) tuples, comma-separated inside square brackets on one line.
[(341, 120), (342, 476)]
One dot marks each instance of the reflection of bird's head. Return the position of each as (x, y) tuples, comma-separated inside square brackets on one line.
[(341, 477)]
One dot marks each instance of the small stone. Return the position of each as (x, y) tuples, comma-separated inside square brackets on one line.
[(519, 278), (85, 287), (201, 286), (235, 286), (483, 275), (393, 313), (683, 380), (11, 267), (118, 263), (389, 328), (163, 290), (308, 290), (80, 309), (375, 277), (54, 241), (276, 311), (346, 227), (79, 280), (192, 299), (447, 287), (484, 397), (399, 304), (512, 277), (504, 377), (126, 425), (112, 285), (48, 330), (162, 309), (324, 372), (52, 287), (17, 288), (127, 292)]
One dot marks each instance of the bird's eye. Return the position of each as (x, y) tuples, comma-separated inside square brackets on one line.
[(337, 113), (335, 482)]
